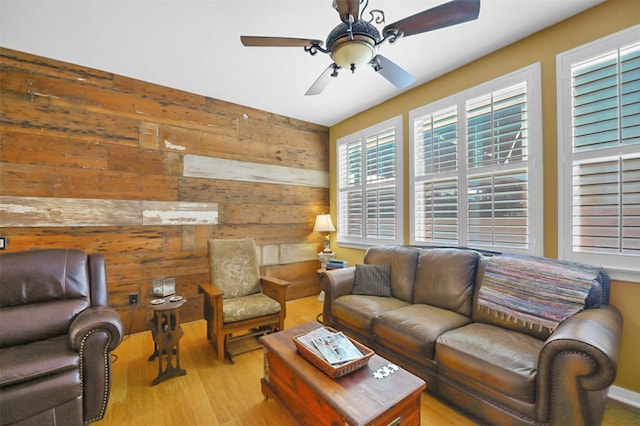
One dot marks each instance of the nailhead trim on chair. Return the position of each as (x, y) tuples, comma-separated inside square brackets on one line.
[(105, 398)]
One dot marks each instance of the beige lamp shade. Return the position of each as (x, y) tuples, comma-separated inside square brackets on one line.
[(323, 223)]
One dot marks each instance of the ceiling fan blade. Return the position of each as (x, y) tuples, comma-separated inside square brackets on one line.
[(278, 41), (318, 86), (452, 13), (392, 72), (346, 8)]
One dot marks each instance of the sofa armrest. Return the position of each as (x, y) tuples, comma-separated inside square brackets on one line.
[(338, 282), (577, 365), (335, 283), (93, 319)]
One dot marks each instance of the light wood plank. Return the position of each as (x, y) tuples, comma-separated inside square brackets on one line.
[(67, 212), (220, 168), (297, 252), (178, 213), (49, 211)]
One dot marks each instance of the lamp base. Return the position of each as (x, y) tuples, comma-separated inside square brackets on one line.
[(327, 244)]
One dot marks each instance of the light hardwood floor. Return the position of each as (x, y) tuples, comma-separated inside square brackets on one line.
[(219, 393)]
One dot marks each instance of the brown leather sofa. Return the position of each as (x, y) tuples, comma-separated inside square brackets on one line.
[(56, 335), (499, 371)]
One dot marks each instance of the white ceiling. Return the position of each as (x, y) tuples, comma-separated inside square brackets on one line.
[(195, 45)]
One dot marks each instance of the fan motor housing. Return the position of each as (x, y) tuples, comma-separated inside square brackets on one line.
[(361, 47)]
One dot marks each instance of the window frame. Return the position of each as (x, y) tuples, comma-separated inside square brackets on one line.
[(618, 266), (363, 241), (529, 75)]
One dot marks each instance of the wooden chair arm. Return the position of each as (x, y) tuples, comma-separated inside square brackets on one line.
[(212, 308), (275, 288), (209, 290)]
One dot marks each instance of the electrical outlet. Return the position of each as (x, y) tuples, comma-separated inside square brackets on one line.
[(133, 299)]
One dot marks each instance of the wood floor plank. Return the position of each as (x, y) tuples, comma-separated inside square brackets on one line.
[(218, 393)]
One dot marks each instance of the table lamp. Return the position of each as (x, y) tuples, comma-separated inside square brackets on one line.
[(324, 224)]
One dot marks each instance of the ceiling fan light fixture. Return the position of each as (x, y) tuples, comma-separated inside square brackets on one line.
[(354, 42), (353, 53)]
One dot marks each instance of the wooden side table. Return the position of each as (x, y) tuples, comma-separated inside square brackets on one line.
[(166, 332)]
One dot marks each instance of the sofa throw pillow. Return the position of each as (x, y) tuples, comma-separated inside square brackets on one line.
[(372, 280)]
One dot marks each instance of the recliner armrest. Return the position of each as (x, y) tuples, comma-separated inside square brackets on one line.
[(96, 318)]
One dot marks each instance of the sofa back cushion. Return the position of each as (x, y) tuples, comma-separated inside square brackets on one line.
[(445, 278), (403, 261), (41, 292)]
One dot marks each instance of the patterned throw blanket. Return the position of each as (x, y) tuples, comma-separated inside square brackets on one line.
[(539, 292)]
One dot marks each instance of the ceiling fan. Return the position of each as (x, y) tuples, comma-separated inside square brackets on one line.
[(354, 42)]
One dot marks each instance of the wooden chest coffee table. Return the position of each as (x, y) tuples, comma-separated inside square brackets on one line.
[(355, 399)]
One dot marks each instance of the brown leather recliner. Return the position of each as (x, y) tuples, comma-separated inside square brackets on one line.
[(56, 335)]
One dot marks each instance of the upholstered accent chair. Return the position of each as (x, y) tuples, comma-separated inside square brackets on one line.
[(56, 336), (239, 303)]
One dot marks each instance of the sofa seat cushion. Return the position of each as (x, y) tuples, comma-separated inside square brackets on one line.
[(415, 328), (508, 360), (358, 311), (35, 360)]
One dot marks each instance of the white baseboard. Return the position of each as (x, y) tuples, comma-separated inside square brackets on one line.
[(625, 396)]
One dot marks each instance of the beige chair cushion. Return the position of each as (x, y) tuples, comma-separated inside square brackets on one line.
[(234, 267), (252, 306)]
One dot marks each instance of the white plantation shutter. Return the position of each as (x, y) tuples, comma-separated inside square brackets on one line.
[(606, 212), (436, 175), (473, 167), (497, 127), (436, 215), (497, 198), (351, 201), (369, 199), (498, 210), (600, 115)]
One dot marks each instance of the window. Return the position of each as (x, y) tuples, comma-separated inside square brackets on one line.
[(369, 188), (599, 153), (476, 167)]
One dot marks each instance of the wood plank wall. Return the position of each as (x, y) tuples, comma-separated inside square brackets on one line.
[(145, 175)]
